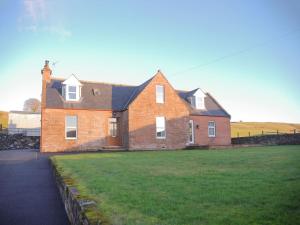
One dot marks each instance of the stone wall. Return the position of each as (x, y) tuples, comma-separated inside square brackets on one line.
[(280, 139), (80, 209), (18, 141)]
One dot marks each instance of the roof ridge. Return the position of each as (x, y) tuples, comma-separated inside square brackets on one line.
[(96, 82)]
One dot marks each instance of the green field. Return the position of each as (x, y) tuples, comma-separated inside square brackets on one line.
[(242, 186), (4, 119), (256, 128)]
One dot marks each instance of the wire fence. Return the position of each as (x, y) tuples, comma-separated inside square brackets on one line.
[(244, 133)]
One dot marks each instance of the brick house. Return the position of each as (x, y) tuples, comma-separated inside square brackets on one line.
[(83, 115)]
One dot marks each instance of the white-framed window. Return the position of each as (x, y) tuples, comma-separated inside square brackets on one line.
[(197, 102), (211, 129), (71, 127), (160, 127), (160, 92), (113, 127), (191, 132), (71, 89), (72, 92)]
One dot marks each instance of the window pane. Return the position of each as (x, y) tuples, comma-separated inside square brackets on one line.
[(161, 134), (160, 121), (159, 94), (199, 102), (211, 124), (114, 131), (160, 129), (191, 138), (112, 119), (113, 127), (193, 101), (211, 131), (72, 95), (72, 88), (160, 126), (71, 133), (71, 121)]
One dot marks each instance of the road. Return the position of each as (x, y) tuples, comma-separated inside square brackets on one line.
[(28, 193)]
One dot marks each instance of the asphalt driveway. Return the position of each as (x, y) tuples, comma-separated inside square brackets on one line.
[(28, 194)]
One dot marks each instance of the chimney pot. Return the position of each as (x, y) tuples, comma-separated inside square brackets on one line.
[(46, 71)]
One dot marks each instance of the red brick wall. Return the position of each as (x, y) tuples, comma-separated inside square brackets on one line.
[(92, 130), (142, 114), (222, 130)]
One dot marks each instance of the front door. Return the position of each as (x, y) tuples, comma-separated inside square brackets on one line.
[(191, 132), (114, 132)]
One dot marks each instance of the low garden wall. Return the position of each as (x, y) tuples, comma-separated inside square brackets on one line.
[(276, 139), (80, 209), (18, 141)]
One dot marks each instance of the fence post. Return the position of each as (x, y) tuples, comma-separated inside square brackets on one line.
[(238, 134), (294, 131), (0, 127), (262, 132), (249, 133), (277, 132)]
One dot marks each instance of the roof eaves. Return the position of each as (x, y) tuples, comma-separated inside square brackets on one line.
[(218, 104)]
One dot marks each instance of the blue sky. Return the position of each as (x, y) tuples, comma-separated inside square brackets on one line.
[(245, 53)]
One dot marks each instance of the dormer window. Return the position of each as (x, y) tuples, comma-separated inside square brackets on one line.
[(197, 100), (71, 89)]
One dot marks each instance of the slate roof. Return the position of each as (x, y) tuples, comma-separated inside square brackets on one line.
[(213, 108), (116, 97), (111, 96)]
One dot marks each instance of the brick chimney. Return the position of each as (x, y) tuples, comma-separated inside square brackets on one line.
[(46, 72), (46, 78)]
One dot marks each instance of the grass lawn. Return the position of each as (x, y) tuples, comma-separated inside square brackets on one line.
[(256, 128), (243, 186)]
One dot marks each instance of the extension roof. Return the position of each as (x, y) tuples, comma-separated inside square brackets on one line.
[(116, 97)]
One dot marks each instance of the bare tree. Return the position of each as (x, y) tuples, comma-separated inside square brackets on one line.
[(32, 105)]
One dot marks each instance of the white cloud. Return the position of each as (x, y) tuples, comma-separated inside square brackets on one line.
[(36, 17), (35, 9)]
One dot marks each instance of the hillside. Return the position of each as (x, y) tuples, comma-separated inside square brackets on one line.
[(255, 128), (4, 119)]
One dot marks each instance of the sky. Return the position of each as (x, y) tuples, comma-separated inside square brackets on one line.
[(245, 53)]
